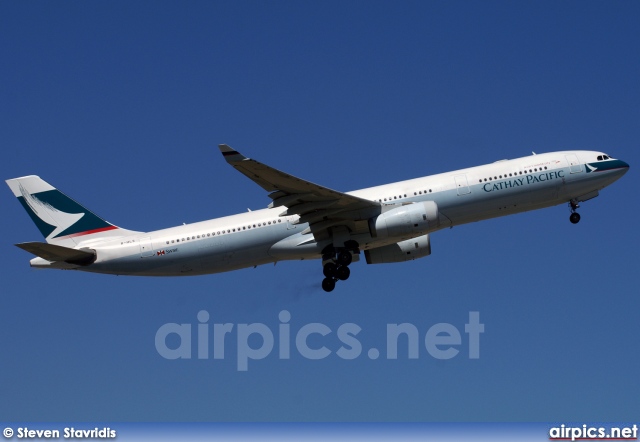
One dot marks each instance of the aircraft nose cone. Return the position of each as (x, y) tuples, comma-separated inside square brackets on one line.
[(624, 167)]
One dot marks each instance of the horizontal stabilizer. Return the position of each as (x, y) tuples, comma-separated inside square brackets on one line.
[(51, 252)]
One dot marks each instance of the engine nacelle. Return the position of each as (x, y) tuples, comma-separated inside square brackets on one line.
[(404, 221), (400, 252)]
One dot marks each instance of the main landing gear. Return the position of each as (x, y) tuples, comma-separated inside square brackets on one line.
[(575, 216), (336, 265)]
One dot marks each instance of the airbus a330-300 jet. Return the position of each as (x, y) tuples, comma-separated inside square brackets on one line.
[(388, 223)]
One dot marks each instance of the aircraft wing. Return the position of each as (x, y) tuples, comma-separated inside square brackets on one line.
[(320, 206)]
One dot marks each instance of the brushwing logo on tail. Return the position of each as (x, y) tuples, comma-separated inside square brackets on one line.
[(46, 213), (57, 215)]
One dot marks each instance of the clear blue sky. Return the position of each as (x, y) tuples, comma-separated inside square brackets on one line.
[(121, 105)]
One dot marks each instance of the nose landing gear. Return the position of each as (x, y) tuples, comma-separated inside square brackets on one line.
[(575, 216)]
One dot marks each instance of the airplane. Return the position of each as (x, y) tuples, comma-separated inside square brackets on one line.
[(388, 223)]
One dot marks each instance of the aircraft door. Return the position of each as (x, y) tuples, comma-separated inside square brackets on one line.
[(462, 186), (574, 163), (146, 248)]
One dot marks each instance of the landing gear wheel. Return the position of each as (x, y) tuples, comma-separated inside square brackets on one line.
[(342, 273), (329, 270), (344, 258), (574, 218), (328, 284)]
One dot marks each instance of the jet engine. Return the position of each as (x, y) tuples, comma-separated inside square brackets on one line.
[(403, 251), (404, 221)]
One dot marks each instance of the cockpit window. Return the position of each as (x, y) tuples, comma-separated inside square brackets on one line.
[(603, 157), (599, 157)]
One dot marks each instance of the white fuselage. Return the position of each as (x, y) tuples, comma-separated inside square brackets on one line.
[(263, 236)]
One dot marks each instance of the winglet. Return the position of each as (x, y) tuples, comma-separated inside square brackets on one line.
[(232, 156)]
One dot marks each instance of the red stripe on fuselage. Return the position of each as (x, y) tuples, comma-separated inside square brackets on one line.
[(89, 232)]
